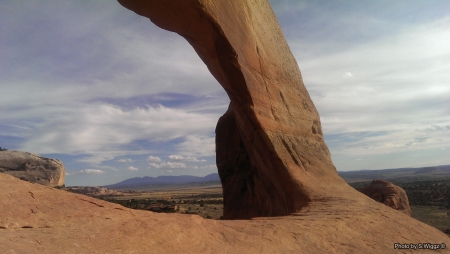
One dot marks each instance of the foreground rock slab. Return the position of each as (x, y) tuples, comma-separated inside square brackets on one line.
[(40, 219), (32, 167), (389, 194)]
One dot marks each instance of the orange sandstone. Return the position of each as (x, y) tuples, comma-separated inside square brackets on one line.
[(389, 194)]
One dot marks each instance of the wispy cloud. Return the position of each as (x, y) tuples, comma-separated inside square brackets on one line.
[(197, 146), (124, 160), (102, 127), (86, 172), (131, 168), (153, 159), (186, 158), (401, 86), (348, 75), (169, 164)]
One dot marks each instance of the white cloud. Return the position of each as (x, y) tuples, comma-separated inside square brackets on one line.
[(86, 172), (99, 128), (50, 103), (348, 75), (176, 157), (124, 160), (197, 146), (401, 78), (186, 158), (98, 157), (153, 159), (401, 87), (172, 165), (92, 171), (131, 168), (164, 164), (212, 166), (77, 60), (153, 165), (95, 158)]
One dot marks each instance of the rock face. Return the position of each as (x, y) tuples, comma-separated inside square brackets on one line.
[(40, 219), (271, 154), (32, 168), (389, 194)]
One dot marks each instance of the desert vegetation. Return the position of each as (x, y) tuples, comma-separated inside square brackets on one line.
[(429, 200), (207, 205)]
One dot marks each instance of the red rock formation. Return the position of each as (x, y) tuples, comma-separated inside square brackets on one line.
[(389, 194), (271, 155)]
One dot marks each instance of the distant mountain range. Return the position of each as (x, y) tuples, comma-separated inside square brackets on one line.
[(409, 174), (424, 173), (164, 180)]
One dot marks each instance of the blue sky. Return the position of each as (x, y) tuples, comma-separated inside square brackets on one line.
[(114, 97)]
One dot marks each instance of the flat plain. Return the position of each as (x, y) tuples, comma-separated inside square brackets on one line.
[(429, 199)]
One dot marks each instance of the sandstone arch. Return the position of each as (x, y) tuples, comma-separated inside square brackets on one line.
[(271, 155)]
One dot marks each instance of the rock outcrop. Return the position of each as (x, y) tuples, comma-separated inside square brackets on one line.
[(40, 219), (389, 194), (271, 154), (32, 168)]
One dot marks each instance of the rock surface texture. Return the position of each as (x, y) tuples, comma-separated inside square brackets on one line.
[(40, 219), (32, 168), (271, 155), (389, 194)]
